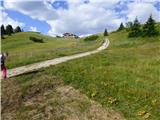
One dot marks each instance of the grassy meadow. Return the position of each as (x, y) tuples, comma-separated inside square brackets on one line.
[(125, 77), (23, 51)]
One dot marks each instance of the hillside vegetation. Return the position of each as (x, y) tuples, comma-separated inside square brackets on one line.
[(30, 47), (125, 78)]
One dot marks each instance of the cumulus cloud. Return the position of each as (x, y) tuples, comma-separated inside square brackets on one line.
[(34, 29), (85, 17), (5, 20), (37, 9), (142, 11), (104, 3)]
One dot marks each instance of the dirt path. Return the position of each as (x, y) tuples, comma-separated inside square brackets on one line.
[(35, 66)]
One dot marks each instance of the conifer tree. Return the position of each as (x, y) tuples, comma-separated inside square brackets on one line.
[(149, 28), (121, 27), (129, 26), (9, 29), (3, 32), (18, 29), (105, 32), (135, 29)]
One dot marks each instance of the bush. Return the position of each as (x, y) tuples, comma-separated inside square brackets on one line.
[(91, 38), (34, 39)]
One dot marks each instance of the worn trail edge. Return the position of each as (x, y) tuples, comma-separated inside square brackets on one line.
[(36, 66)]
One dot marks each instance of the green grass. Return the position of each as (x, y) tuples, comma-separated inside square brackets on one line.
[(23, 51), (125, 77), (128, 72)]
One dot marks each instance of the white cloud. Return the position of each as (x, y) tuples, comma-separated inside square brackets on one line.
[(104, 3), (83, 18), (142, 11), (34, 29), (37, 9), (5, 20), (80, 18)]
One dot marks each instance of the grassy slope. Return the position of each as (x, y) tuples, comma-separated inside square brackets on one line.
[(23, 51), (127, 73), (124, 77)]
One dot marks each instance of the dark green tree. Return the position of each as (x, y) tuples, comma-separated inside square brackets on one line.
[(18, 29), (149, 28), (135, 29), (129, 25), (105, 32), (3, 31), (121, 27), (9, 30)]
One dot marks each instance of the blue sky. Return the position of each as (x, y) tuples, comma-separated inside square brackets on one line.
[(40, 25), (80, 17)]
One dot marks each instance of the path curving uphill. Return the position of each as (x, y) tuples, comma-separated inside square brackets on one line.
[(36, 66)]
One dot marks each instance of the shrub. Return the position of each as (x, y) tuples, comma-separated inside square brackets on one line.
[(34, 39), (91, 38)]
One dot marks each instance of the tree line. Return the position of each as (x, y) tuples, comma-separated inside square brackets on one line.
[(8, 30), (135, 29)]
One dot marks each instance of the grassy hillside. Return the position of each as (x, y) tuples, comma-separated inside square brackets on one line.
[(125, 77), (23, 51)]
